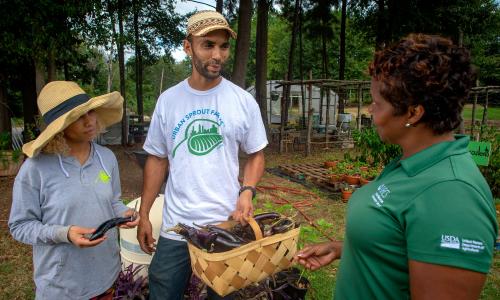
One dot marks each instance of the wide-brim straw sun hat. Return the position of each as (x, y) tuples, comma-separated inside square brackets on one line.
[(63, 102), (207, 21)]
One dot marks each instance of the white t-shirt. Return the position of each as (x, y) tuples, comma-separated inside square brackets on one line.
[(200, 133)]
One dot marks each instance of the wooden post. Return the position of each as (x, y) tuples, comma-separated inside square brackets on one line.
[(283, 114), (359, 106), (327, 122), (161, 80), (473, 115), (309, 117), (484, 122)]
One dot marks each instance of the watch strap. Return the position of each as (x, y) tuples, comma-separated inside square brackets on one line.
[(248, 187)]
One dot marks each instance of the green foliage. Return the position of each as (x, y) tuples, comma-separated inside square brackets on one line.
[(308, 235), (492, 172), (370, 174), (373, 150), (476, 23), (5, 141), (6, 153)]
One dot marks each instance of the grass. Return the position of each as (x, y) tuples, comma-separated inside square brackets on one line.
[(16, 270), (493, 113)]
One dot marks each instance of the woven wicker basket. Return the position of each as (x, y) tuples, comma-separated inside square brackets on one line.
[(229, 271)]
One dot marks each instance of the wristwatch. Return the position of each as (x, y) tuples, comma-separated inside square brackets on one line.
[(247, 187)]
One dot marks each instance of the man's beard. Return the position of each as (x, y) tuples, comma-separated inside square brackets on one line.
[(203, 68)]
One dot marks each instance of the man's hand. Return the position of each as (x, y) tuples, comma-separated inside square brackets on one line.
[(78, 236), (145, 236), (135, 220), (316, 256), (244, 207)]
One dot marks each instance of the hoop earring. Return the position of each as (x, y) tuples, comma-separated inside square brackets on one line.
[(408, 125)]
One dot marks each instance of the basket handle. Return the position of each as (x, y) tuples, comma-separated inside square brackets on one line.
[(255, 227)]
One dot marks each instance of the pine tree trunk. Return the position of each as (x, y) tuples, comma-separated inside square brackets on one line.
[(39, 75), (51, 66), (261, 59), (121, 62), (5, 125), (29, 95), (219, 5), (293, 41), (242, 43), (342, 54), (380, 39), (138, 65)]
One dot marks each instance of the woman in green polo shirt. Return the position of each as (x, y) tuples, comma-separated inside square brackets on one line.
[(425, 228)]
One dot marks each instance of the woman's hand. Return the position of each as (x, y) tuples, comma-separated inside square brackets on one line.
[(316, 256), (135, 219), (79, 236)]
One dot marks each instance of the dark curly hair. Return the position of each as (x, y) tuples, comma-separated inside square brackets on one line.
[(425, 70)]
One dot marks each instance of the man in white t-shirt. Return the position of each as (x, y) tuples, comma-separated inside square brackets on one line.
[(197, 129)]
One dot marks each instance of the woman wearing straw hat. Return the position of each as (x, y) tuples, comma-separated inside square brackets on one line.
[(64, 190)]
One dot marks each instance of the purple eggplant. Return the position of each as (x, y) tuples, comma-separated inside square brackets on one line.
[(223, 233), (200, 238), (282, 226), (105, 226), (221, 245), (267, 216)]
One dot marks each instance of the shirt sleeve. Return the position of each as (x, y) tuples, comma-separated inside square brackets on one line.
[(25, 217), (452, 224), (255, 138), (156, 140)]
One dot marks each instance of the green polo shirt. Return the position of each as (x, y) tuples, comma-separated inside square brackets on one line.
[(433, 207)]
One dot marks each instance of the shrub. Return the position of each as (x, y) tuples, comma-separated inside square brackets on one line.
[(492, 172), (373, 150)]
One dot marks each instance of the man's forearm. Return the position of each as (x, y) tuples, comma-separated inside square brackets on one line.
[(254, 169), (155, 170)]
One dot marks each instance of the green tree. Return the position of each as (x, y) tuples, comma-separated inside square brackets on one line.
[(34, 35)]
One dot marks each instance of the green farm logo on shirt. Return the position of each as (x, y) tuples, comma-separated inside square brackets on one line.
[(202, 136), (379, 196)]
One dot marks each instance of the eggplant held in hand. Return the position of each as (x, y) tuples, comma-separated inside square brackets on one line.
[(101, 230)]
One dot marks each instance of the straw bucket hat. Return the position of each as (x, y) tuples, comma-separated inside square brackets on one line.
[(62, 102), (206, 21)]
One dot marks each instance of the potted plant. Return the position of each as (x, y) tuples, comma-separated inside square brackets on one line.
[(368, 175), (347, 191), (337, 173), (331, 162), (352, 176), (10, 160), (289, 284)]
